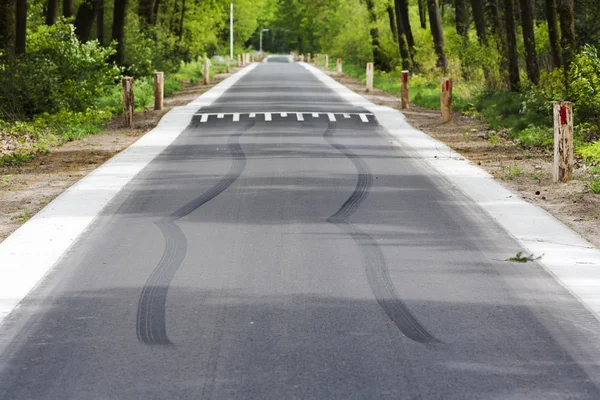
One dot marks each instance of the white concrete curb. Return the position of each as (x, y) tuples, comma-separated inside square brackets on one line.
[(574, 261), (31, 251)]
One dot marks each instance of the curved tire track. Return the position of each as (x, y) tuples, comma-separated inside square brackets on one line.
[(374, 260), (151, 319)]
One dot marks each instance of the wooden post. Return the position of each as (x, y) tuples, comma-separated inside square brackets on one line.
[(339, 65), (446, 100), (404, 89), (563, 141), (317, 60), (369, 77), (239, 60), (227, 64), (128, 101), (206, 71), (159, 89), (301, 57), (326, 65), (308, 59)]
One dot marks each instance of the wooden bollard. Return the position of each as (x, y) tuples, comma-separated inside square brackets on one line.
[(206, 71), (563, 141), (326, 63), (308, 58), (227, 64), (339, 65), (239, 60), (159, 90), (316, 59), (369, 77), (128, 101), (404, 89), (301, 57), (446, 100)]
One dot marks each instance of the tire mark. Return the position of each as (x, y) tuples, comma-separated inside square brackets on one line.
[(151, 319), (374, 260)]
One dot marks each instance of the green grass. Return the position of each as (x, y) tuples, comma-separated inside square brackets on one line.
[(23, 216), (513, 171), (590, 152), (594, 185)]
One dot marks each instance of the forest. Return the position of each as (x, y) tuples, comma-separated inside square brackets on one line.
[(61, 61)]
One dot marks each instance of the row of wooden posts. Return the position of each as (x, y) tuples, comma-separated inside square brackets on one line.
[(563, 116)]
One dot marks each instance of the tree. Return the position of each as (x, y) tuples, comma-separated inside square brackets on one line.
[(552, 18), (378, 56), (118, 29), (479, 19), (511, 45), (531, 59), (402, 7), (52, 12), (461, 17), (84, 20), (68, 8), (392, 17), (8, 28), (402, 42), (21, 25), (146, 11), (567, 29), (422, 13), (100, 22), (435, 23)]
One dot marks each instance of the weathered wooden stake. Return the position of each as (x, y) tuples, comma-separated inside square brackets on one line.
[(159, 85), (326, 64), (301, 57), (316, 59), (239, 60), (369, 77), (227, 64), (128, 101), (563, 141), (339, 65), (308, 59), (206, 71), (404, 89), (446, 100)]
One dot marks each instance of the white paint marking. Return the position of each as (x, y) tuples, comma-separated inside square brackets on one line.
[(300, 116), (363, 117), (331, 117), (284, 115), (204, 118), (267, 117), (315, 115), (252, 115), (347, 116), (236, 117), (220, 116)]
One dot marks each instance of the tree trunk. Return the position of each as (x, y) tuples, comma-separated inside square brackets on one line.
[(100, 23), (84, 21), (406, 23), (52, 12), (118, 28), (435, 23), (21, 25), (567, 30), (479, 19), (146, 11), (422, 13), (511, 42), (462, 17), (392, 17), (155, 12), (68, 8), (378, 56), (552, 18), (402, 44), (181, 20), (8, 29), (531, 59)]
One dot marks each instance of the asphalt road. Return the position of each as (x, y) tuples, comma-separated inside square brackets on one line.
[(270, 253)]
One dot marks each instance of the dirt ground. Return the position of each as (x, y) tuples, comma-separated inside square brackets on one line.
[(527, 172), (25, 189)]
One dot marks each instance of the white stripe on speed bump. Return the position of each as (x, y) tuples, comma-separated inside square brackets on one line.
[(363, 117), (331, 117), (204, 118), (267, 116), (236, 117), (300, 116)]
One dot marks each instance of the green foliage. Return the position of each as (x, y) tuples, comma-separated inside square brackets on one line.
[(590, 152), (513, 171), (534, 136), (57, 73)]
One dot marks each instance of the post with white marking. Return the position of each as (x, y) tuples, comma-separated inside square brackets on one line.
[(446, 100), (326, 64), (301, 57), (227, 64), (563, 141), (159, 89), (317, 60), (369, 77), (206, 71), (404, 89), (128, 101), (239, 60), (339, 65), (308, 59)]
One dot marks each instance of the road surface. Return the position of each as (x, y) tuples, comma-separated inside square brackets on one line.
[(283, 247)]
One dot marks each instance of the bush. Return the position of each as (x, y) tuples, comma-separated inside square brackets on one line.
[(590, 152), (57, 73)]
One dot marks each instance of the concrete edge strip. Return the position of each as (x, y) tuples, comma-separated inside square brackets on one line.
[(571, 259), (33, 249)]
